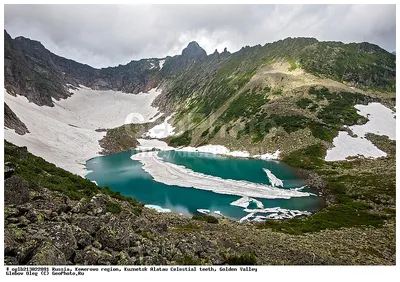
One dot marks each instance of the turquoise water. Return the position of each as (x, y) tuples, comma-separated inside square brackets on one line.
[(126, 176)]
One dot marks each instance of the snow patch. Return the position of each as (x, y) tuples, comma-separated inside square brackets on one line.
[(346, 146), (157, 208), (203, 211), (161, 63), (162, 130), (268, 156), (218, 213), (382, 121), (150, 144)]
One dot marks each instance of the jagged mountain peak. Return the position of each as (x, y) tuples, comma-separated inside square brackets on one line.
[(194, 50)]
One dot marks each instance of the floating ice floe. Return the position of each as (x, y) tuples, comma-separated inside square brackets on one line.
[(273, 213), (260, 218), (203, 211), (381, 121), (244, 202), (275, 181), (300, 188), (246, 218), (218, 213), (172, 174), (157, 208)]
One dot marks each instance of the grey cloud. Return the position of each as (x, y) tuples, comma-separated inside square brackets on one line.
[(108, 35)]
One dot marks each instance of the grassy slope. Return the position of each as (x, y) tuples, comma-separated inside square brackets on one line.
[(218, 92)]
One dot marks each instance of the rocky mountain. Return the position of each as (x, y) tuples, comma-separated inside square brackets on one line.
[(294, 95), (13, 122), (33, 71), (190, 55)]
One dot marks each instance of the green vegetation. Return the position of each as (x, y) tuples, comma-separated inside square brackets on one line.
[(339, 111), (181, 140), (147, 235), (243, 259), (113, 208), (205, 132), (293, 65), (189, 227), (343, 215), (217, 127), (121, 138), (306, 103), (37, 172), (261, 124), (206, 218), (267, 89), (349, 210), (359, 63), (277, 91), (245, 105), (189, 260), (138, 206), (309, 158)]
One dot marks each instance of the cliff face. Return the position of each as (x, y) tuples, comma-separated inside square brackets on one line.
[(12, 121)]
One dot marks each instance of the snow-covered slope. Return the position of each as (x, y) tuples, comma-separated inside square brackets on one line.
[(382, 121), (162, 130), (65, 134)]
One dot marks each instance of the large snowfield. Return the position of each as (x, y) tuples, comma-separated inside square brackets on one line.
[(382, 121), (65, 134)]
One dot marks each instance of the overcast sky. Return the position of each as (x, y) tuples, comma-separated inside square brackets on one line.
[(104, 35)]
